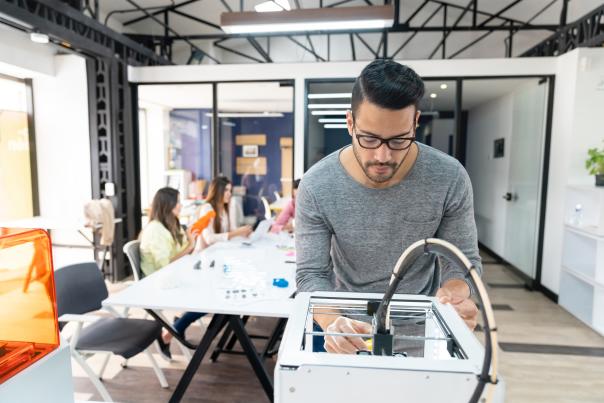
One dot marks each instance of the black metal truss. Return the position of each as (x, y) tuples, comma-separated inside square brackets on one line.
[(72, 29), (506, 24), (588, 31), (114, 151)]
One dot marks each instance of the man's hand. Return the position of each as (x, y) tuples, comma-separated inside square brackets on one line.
[(457, 293), (342, 344)]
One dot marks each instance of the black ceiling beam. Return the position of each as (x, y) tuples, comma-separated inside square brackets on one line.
[(480, 38), (352, 49), (447, 33), (416, 12), (312, 47), (226, 5), (167, 27), (587, 31), (82, 33), (236, 52), (375, 54), (498, 13), (479, 12), (415, 33), (316, 55), (200, 20), (161, 10), (129, 10), (259, 49)]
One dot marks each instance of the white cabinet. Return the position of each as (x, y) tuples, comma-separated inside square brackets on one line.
[(582, 277)]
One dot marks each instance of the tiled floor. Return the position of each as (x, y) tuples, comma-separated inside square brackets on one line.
[(529, 377)]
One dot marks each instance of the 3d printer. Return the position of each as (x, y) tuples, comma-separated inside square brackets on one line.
[(422, 351), (28, 319)]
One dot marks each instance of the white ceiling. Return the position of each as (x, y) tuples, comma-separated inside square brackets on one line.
[(420, 47)]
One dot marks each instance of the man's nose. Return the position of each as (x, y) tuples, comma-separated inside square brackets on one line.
[(382, 153)]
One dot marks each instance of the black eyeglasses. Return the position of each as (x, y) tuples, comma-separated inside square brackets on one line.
[(373, 142)]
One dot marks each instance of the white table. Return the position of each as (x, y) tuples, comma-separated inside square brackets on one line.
[(179, 286)]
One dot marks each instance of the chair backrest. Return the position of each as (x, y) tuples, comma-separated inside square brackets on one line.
[(267, 208), (80, 288), (132, 249)]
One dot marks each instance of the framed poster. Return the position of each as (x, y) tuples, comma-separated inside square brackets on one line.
[(250, 151)]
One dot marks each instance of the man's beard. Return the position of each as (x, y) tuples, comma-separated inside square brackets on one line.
[(376, 178)]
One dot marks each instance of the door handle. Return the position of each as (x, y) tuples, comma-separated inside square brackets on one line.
[(507, 196)]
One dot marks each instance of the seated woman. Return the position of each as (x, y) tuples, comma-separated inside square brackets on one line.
[(163, 240), (285, 220), (221, 228)]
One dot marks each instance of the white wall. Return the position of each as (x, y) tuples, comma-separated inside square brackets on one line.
[(487, 122), (440, 130), (63, 142), (578, 124), (20, 57), (153, 146), (302, 71)]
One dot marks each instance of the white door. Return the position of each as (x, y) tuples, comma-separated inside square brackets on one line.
[(526, 171)]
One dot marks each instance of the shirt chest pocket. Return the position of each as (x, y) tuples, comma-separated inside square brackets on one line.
[(413, 231)]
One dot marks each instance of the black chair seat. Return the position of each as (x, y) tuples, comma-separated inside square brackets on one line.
[(122, 336)]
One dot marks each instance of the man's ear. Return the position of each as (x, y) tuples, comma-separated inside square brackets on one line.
[(417, 115), (349, 122)]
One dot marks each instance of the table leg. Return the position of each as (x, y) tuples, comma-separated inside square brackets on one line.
[(215, 325), (252, 354)]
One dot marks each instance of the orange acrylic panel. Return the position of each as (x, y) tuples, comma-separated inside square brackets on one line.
[(28, 310)]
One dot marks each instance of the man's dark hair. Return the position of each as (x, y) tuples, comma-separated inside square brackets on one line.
[(387, 84)]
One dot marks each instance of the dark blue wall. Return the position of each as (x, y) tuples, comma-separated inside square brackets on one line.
[(196, 151), (335, 139)]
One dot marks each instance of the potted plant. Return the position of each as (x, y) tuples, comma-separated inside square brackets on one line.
[(595, 164)]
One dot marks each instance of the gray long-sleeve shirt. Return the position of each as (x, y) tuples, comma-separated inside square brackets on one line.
[(349, 237)]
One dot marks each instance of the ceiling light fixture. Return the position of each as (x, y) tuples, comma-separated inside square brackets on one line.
[(330, 96), (315, 113), (335, 126), (328, 106), (272, 6), (308, 19), (247, 114), (39, 38), (433, 95), (332, 120), (443, 86)]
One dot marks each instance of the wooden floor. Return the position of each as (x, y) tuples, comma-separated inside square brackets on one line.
[(529, 377)]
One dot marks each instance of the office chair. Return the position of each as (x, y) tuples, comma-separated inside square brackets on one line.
[(80, 289)]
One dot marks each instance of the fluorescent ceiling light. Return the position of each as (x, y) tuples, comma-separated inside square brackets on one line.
[(335, 126), (443, 86), (308, 19), (38, 37), (332, 120), (330, 96), (328, 106), (315, 113), (272, 6), (247, 115), (433, 95)]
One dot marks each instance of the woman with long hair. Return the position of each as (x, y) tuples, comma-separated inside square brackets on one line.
[(221, 227), (163, 240)]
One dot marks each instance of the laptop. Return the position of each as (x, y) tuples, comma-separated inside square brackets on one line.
[(262, 229)]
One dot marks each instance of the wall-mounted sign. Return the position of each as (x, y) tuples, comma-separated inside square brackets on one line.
[(498, 147), (250, 151)]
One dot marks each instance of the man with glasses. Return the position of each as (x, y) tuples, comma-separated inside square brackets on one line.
[(360, 207)]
